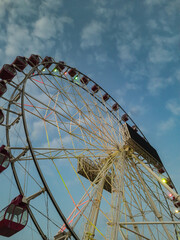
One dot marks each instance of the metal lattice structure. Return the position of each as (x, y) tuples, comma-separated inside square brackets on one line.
[(92, 172)]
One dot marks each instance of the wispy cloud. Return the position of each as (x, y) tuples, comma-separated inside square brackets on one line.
[(46, 28), (125, 53), (49, 6), (17, 38), (165, 126), (159, 55), (137, 110), (31, 27), (132, 86), (155, 84), (177, 74), (154, 2), (100, 2), (92, 34), (174, 106)]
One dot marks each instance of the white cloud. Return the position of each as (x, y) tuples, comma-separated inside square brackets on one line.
[(162, 41), (137, 110), (30, 27), (125, 53), (101, 57), (173, 106), (177, 74), (3, 8), (55, 143), (171, 8), (101, 2), (154, 2), (152, 24), (166, 126), (160, 54), (121, 95), (92, 35), (17, 40), (37, 129), (132, 86), (105, 12), (157, 83), (49, 6), (46, 28)]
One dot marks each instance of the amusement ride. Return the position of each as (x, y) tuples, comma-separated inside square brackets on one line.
[(81, 167)]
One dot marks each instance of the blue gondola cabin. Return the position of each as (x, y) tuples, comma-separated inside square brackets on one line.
[(14, 217)]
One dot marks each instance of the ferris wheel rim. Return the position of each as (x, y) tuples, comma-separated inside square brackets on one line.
[(16, 175), (24, 83)]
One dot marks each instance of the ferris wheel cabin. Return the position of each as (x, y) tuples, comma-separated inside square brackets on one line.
[(8, 72), (33, 60), (3, 88), (20, 63), (14, 217), (1, 116), (4, 158)]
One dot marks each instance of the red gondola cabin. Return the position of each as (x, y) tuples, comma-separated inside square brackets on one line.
[(1, 116), (7, 72), (20, 63), (72, 72), (4, 158), (60, 66), (14, 217), (115, 107), (47, 61), (33, 60), (134, 127), (3, 88), (161, 170), (95, 88), (177, 204), (124, 117), (106, 97), (84, 80)]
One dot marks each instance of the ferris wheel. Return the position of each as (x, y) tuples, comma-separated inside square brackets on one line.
[(81, 167)]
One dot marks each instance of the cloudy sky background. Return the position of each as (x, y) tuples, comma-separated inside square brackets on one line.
[(130, 48)]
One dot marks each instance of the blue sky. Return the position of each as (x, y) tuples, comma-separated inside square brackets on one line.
[(130, 48)]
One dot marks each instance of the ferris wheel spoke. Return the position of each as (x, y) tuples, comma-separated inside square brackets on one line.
[(51, 123), (25, 170), (142, 211), (136, 229), (44, 84), (64, 116), (148, 205), (40, 81), (85, 105), (138, 199), (99, 109), (156, 194), (154, 208), (133, 178), (92, 191)]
